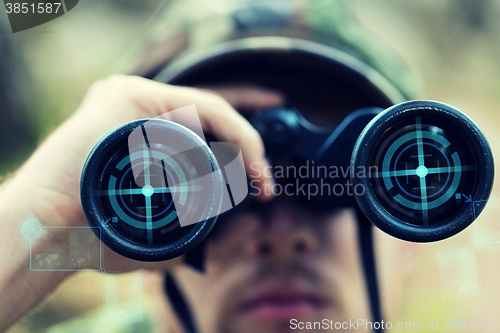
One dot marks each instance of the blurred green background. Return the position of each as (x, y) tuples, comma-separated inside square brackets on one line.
[(453, 46)]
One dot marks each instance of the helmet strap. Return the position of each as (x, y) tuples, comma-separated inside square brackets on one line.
[(367, 252)]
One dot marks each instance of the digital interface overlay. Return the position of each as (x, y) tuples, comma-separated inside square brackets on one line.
[(67, 248), (426, 172)]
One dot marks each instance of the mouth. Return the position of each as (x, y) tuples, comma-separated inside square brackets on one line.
[(283, 303)]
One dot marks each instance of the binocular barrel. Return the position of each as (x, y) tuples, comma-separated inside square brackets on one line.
[(423, 171)]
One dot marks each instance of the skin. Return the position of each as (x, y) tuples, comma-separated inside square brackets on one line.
[(319, 257), (280, 245)]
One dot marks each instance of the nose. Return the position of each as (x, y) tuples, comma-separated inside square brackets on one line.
[(283, 236)]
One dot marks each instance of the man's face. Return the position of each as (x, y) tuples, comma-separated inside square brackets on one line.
[(275, 264), (282, 261)]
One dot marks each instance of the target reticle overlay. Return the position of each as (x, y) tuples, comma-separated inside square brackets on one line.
[(421, 171), (428, 163), (160, 187)]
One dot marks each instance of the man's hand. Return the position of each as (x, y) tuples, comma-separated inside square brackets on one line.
[(47, 186)]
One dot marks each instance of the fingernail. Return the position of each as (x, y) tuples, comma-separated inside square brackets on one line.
[(268, 181), (274, 98), (266, 169)]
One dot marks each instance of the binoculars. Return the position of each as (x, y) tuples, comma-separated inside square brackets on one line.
[(420, 171)]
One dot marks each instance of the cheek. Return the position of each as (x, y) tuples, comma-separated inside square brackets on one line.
[(228, 248), (339, 241), (213, 294), (201, 295)]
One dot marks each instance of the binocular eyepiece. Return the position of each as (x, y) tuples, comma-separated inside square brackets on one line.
[(421, 171), (434, 174)]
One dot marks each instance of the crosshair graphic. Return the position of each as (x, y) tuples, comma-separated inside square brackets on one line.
[(426, 162), (140, 203), (421, 171), (154, 187)]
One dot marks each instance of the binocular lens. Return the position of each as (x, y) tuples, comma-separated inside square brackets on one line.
[(152, 188), (427, 164)]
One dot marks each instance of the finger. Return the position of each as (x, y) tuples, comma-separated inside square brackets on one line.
[(246, 97), (217, 116), (228, 125)]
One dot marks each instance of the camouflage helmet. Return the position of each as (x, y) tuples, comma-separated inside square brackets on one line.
[(184, 28)]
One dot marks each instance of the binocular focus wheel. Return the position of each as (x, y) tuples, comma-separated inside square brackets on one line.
[(137, 212), (424, 167)]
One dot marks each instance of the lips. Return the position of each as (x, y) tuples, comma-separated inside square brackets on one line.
[(283, 303)]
